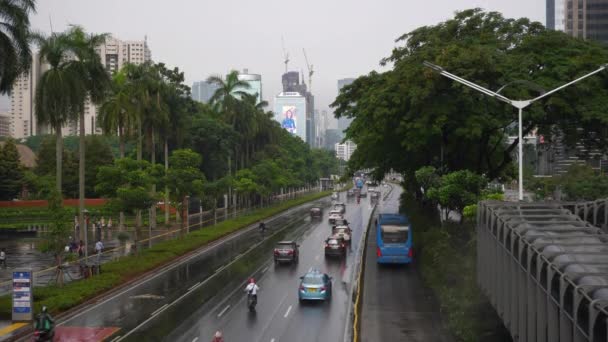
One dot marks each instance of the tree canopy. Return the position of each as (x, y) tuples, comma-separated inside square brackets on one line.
[(410, 116)]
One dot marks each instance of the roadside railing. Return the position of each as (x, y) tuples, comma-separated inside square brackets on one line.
[(92, 262)]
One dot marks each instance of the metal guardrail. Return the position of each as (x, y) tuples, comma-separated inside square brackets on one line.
[(116, 253), (545, 270)]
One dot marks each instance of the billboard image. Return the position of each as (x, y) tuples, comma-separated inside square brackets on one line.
[(289, 121)]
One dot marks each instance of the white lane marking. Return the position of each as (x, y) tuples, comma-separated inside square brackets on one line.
[(265, 269), (195, 339), (194, 286), (287, 313), (115, 339), (223, 311), (272, 340), (159, 310)]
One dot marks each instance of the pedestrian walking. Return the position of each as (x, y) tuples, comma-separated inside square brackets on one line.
[(76, 226), (103, 222), (81, 249), (110, 223), (3, 258), (98, 250)]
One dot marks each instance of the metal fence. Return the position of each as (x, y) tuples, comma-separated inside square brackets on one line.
[(544, 269), (72, 270)]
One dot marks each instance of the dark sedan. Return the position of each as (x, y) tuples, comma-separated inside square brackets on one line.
[(335, 246)]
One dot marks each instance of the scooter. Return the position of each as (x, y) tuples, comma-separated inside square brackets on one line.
[(251, 302)]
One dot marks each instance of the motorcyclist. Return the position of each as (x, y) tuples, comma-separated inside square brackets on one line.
[(262, 227), (45, 324), (252, 290), (218, 337)]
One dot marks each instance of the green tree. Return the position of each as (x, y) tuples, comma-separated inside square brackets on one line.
[(127, 184), (57, 237), (100, 155), (245, 185), (95, 81), (11, 171), (60, 93), (184, 178), (583, 183), (410, 116), (14, 40), (457, 190)]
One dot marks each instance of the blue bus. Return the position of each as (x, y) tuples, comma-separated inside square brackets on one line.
[(394, 239)]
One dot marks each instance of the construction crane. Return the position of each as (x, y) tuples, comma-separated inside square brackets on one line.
[(310, 71), (286, 54)]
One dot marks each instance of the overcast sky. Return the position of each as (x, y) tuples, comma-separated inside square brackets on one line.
[(343, 38)]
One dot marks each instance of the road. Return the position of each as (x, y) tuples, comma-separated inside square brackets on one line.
[(279, 316), (203, 272), (396, 304)]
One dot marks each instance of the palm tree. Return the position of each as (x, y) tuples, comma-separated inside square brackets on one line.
[(16, 57), (60, 91), (228, 93), (116, 115), (96, 81)]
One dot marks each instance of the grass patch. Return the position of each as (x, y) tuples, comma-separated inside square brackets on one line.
[(119, 271), (447, 260)]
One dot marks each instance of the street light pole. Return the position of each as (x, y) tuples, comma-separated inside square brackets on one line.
[(519, 104)]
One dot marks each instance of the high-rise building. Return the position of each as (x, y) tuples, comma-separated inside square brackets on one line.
[(5, 124), (113, 54), (202, 91), (22, 120), (343, 122), (332, 137), (291, 84), (290, 110), (255, 83), (345, 151), (586, 19)]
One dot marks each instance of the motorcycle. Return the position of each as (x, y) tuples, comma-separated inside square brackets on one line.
[(43, 336), (251, 302)]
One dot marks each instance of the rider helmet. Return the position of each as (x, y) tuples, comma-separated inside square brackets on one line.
[(251, 280), (218, 334)]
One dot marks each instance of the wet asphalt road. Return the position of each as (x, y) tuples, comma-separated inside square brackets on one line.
[(157, 308), (279, 316), (396, 304)]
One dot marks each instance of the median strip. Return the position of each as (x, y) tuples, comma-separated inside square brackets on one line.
[(130, 268)]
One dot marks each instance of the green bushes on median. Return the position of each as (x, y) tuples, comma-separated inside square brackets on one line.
[(116, 272), (447, 261)]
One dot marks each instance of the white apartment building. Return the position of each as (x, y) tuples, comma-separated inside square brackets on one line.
[(346, 150), (22, 121), (114, 54)]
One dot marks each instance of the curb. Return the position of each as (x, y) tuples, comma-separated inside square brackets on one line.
[(354, 306)]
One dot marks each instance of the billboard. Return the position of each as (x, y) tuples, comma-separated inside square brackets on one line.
[(290, 113), (290, 117)]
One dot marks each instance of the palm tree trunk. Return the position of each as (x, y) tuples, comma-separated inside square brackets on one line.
[(121, 148), (166, 188), (81, 165), (139, 157), (59, 157), (153, 209)]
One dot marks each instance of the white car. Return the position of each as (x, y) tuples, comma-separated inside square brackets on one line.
[(342, 232), (340, 207), (335, 215), (335, 196)]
